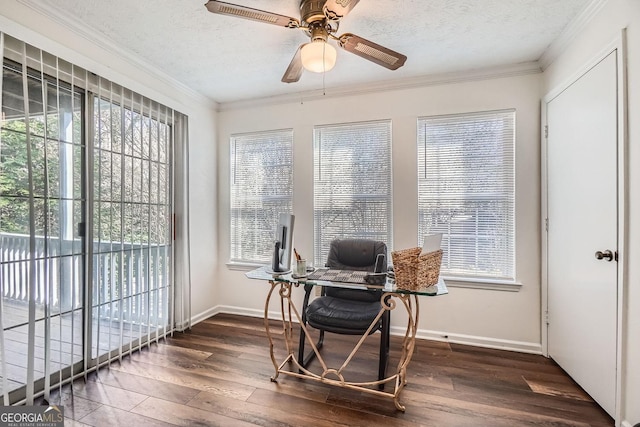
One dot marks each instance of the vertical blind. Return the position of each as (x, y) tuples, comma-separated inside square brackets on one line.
[(466, 191), (42, 199), (261, 189), (86, 201), (352, 184), (132, 240)]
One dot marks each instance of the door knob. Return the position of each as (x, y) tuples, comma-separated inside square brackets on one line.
[(606, 255)]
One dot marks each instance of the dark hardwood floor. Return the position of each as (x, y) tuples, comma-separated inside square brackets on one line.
[(219, 374)]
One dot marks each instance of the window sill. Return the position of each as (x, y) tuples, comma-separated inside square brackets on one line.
[(487, 284)]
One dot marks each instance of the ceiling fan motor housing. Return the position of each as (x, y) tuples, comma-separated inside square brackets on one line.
[(311, 11)]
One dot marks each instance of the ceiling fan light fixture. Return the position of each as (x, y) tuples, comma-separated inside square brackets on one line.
[(318, 56)]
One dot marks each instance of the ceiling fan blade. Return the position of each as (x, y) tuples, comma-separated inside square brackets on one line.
[(372, 51), (294, 70), (223, 8), (337, 9)]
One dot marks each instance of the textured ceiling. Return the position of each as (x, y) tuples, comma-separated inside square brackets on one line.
[(229, 59)]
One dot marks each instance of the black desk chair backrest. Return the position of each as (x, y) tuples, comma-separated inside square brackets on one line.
[(355, 254), (348, 311)]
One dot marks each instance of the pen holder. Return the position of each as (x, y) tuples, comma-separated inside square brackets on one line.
[(301, 267)]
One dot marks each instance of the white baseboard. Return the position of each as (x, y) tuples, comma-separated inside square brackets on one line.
[(626, 424), (487, 342), (204, 315), (495, 343)]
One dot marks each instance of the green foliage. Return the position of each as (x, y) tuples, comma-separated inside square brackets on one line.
[(14, 178), (130, 173)]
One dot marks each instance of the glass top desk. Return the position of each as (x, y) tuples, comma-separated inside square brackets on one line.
[(391, 297)]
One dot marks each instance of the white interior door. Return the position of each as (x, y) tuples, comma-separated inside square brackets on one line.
[(583, 219)]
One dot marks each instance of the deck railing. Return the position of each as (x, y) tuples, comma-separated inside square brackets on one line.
[(121, 271)]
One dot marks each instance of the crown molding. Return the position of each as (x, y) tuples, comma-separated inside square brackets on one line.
[(82, 30), (389, 85), (571, 31)]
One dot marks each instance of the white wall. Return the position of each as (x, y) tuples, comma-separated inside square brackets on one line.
[(600, 32), (497, 318), (26, 24)]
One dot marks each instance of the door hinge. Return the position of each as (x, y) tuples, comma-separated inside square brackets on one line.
[(546, 224), (546, 131), (546, 317)]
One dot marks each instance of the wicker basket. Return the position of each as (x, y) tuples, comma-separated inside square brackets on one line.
[(405, 265), (414, 271), (429, 269)]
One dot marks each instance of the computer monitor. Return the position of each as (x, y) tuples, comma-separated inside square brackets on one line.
[(284, 243)]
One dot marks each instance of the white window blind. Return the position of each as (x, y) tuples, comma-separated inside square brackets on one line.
[(352, 184), (466, 191), (261, 188)]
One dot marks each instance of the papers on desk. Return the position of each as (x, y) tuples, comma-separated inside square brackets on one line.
[(431, 243)]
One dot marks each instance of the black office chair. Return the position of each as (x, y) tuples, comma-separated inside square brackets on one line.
[(348, 311)]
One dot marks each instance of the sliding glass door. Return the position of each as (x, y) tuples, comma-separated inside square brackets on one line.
[(41, 206), (86, 233), (131, 222)]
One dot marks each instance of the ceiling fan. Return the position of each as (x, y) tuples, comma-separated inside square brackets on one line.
[(320, 19)]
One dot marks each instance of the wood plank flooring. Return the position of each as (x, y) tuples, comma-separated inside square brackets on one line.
[(218, 374)]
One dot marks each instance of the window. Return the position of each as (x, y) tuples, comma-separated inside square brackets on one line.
[(466, 191), (352, 184), (261, 188)]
